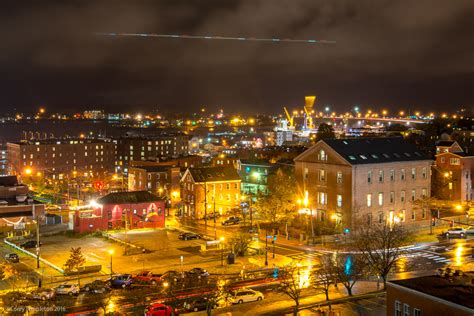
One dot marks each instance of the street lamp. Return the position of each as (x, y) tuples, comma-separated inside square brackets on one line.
[(111, 252), (222, 251)]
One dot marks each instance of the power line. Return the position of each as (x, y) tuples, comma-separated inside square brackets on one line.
[(228, 38)]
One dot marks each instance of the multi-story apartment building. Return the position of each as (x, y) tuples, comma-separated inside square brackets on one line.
[(3, 160), (137, 147), (210, 190), (159, 180), (364, 179), (254, 174), (452, 173), (61, 158)]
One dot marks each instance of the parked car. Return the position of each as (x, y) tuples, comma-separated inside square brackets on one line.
[(172, 276), (96, 286), (42, 295), (456, 232), (245, 295), (188, 236), (233, 220), (212, 216), (12, 257), (67, 289), (195, 305), (121, 280), (147, 277), (197, 272), (29, 244), (159, 309), (470, 230)]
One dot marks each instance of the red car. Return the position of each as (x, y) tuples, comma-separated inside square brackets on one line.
[(159, 310), (147, 277)]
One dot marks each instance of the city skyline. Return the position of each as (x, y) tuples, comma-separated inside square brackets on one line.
[(387, 55)]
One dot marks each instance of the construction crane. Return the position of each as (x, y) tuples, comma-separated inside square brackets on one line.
[(290, 118), (308, 109)]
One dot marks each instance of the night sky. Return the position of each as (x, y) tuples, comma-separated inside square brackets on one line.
[(391, 54)]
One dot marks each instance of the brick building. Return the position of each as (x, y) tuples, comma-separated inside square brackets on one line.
[(254, 174), (431, 295), (60, 158), (137, 147), (17, 210), (368, 179), (159, 180), (209, 190), (131, 210), (452, 173)]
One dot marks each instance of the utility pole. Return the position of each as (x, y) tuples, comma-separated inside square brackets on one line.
[(266, 248), (215, 228), (205, 204), (37, 235)]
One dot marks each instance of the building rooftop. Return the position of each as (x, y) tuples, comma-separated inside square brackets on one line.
[(153, 168), (128, 198), (259, 162), (445, 143), (8, 181), (456, 289), (214, 174), (64, 141), (376, 150)]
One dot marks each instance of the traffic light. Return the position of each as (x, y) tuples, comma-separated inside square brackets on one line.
[(433, 221), (347, 230)]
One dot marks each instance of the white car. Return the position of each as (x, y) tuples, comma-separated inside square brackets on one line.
[(67, 289), (470, 230), (245, 295), (456, 232)]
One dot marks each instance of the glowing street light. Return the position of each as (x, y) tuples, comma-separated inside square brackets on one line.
[(28, 171), (111, 252)]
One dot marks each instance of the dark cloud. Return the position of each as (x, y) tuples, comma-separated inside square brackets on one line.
[(388, 53)]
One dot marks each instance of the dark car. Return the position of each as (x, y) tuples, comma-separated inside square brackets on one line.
[(12, 257), (29, 244), (233, 220), (198, 304), (172, 277), (121, 280), (96, 286), (188, 236), (212, 216), (197, 272)]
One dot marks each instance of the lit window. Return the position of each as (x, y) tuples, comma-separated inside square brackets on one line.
[(413, 173), (339, 177), (380, 198), (322, 155), (322, 175), (413, 195), (455, 161), (339, 200), (369, 200)]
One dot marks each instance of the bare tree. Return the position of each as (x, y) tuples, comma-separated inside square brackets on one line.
[(215, 292), (240, 243), (291, 284), (348, 269), (323, 275), (381, 246)]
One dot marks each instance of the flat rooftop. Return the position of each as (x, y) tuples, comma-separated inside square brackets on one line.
[(456, 289)]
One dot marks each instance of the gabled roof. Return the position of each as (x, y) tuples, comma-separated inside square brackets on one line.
[(214, 174), (445, 143), (375, 150), (128, 198)]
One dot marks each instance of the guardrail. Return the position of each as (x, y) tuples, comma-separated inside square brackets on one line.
[(55, 267)]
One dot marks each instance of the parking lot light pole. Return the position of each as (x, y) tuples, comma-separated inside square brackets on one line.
[(111, 252), (266, 248)]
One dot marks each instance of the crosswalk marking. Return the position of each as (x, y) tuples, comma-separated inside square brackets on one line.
[(300, 256)]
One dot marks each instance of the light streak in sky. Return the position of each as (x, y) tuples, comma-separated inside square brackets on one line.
[(228, 38)]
